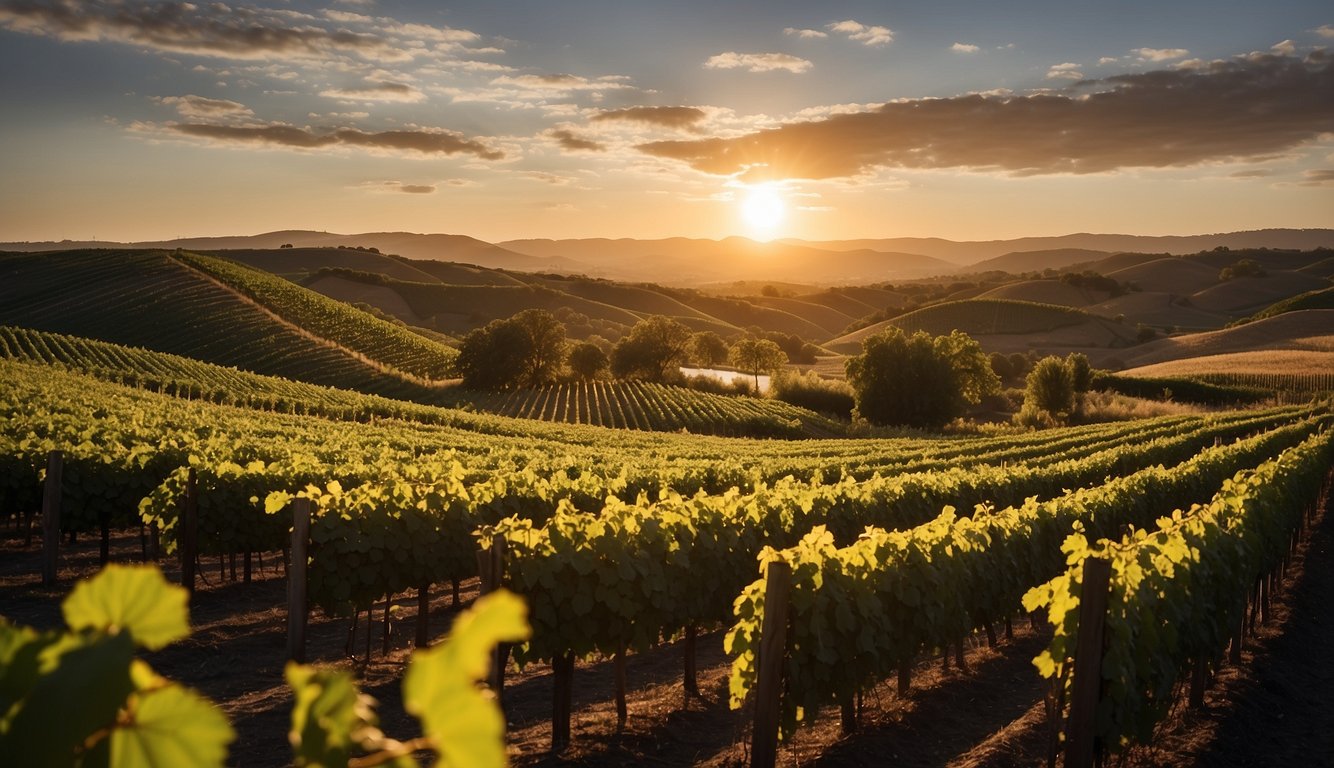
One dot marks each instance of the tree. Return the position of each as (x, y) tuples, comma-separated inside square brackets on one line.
[(544, 353), (1081, 373), (587, 360), (526, 350), (653, 349), (708, 349), (756, 356), (919, 380), (1049, 394)]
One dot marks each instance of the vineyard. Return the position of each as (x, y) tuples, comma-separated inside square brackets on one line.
[(659, 408), (153, 300), (875, 555)]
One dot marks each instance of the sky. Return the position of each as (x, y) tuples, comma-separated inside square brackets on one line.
[(505, 120)]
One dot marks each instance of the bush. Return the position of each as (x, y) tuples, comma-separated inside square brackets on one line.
[(919, 380), (813, 392)]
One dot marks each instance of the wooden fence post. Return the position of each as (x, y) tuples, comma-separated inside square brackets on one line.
[(769, 687), (189, 524), (1080, 739), (55, 469), (296, 582)]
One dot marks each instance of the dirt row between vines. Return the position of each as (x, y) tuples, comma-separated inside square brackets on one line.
[(1277, 708)]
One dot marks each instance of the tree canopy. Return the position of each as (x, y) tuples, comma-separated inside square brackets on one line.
[(653, 349), (526, 350), (919, 380), (756, 356)]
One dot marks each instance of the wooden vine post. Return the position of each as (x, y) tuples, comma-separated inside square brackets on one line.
[(55, 469), (296, 582), (1081, 728), (491, 574), (189, 528), (769, 687)]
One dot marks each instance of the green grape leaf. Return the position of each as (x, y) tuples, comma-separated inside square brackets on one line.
[(328, 714), (440, 686), (83, 683), (171, 726), (133, 598)]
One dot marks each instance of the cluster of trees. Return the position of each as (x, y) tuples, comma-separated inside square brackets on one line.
[(1055, 390), (920, 380), (1242, 268), (530, 349)]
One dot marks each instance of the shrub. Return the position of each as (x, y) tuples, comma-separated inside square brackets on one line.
[(814, 392)]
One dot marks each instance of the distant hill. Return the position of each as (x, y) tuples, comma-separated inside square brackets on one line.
[(971, 252), (1036, 261), (1002, 325), (1310, 330)]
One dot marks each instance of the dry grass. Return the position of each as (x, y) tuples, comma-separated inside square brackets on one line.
[(1110, 406), (1291, 362)]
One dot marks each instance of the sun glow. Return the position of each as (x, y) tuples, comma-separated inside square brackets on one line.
[(763, 210)]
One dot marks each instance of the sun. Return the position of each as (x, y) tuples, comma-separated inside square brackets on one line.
[(763, 210)]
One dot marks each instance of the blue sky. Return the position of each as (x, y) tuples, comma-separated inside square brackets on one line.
[(127, 120)]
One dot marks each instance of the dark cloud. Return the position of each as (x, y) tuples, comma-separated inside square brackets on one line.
[(668, 117), (1245, 108), (423, 142), (207, 29), (568, 140), (1318, 177), (202, 107), (416, 189)]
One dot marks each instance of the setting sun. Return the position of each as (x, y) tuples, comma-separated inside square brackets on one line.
[(763, 211)]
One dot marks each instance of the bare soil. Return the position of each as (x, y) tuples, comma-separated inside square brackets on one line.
[(1277, 708)]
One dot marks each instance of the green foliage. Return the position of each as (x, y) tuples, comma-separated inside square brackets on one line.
[(125, 715), (812, 391), (653, 349), (333, 721), (1181, 389), (1049, 395), (588, 361), (707, 349), (756, 356), (919, 380), (1178, 587), (1242, 268), (526, 350)]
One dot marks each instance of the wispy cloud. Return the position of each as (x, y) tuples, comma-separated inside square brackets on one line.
[(805, 34), (1242, 109), (418, 142), (376, 91), (398, 186), (1066, 71), (1286, 48), (964, 48), (758, 62), (1160, 54), (562, 83), (667, 117), (1318, 178), (569, 141), (1325, 30), (201, 107), (862, 33)]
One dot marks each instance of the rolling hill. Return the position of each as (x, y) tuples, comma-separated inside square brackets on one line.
[(1310, 330), (215, 311), (1003, 325)]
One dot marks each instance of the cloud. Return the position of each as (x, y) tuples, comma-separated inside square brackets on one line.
[(758, 62), (1160, 54), (199, 106), (1067, 71), (1105, 60), (376, 91), (211, 29), (1285, 48), (964, 48), (398, 186), (562, 83), (667, 117), (866, 35), (1318, 178), (1325, 30), (805, 34), (1243, 109), (1256, 173), (569, 141), (414, 141)]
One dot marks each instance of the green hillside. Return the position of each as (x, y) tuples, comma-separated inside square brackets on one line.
[(155, 300)]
